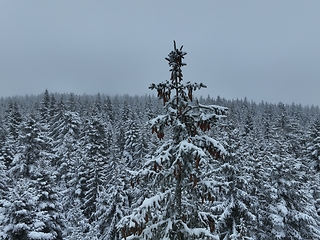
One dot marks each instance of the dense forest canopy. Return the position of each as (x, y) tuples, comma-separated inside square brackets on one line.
[(49, 141), (136, 167)]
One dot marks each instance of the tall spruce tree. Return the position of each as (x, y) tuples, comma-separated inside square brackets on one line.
[(13, 120), (4, 190), (49, 221), (313, 152), (180, 177), (31, 145), (235, 207), (19, 212), (95, 160)]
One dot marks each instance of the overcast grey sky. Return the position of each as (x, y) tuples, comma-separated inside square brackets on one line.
[(262, 50)]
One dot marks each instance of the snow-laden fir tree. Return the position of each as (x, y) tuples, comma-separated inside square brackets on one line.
[(65, 134), (10, 133), (19, 212), (49, 221), (313, 149), (95, 160), (33, 146), (44, 109), (114, 201), (4, 191), (235, 207), (313, 152), (12, 120), (133, 147), (179, 179), (286, 208), (28, 216)]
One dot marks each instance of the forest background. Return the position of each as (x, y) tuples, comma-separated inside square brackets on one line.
[(64, 158)]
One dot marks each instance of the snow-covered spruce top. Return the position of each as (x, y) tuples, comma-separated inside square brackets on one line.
[(179, 178)]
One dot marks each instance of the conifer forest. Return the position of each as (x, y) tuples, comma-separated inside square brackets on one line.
[(169, 165)]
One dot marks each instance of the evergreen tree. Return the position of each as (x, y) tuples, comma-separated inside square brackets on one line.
[(96, 156), (48, 206), (72, 102), (45, 107), (113, 198), (287, 211), (109, 108), (65, 133), (313, 153), (19, 212), (236, 206), (28, 216), (114, 201), (314, 145), (180, 177), (53, 105), (13, 120), (10, 133), (123, 126), (32, 146), (5, 186), (134, 144)]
